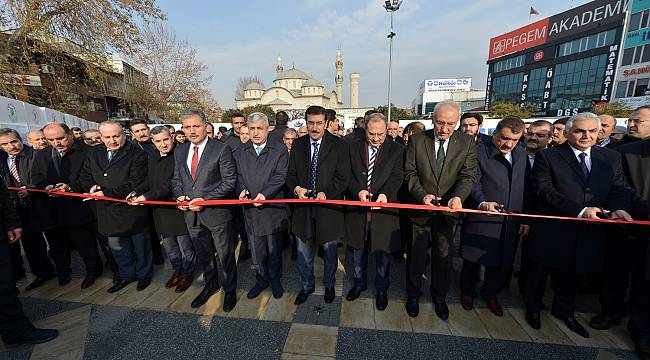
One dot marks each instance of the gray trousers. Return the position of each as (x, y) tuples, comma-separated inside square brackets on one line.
[(266, 252), (208, 239), (180, 252), (133, 256)]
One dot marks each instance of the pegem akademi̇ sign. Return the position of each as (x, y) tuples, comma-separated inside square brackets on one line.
[(523, 38)]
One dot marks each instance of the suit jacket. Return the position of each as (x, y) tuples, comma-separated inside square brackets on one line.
[(278, 133), (8, 216), (232, 140), (458, 175), (483, 138), (118, 178), (561, 189), (63, 210), (332, 178), (24, 166), (168, 220), (264, 174), (493, 240), (387, 178), (215, 180)]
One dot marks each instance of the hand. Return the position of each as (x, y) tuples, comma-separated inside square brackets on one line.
[(259, 196), (23, 193), (180, 199), (97, 193), (242, 195), (455, 203), (95, 188), (193, 207), (490, 206), (380, 199), (301, 192), (364, 196), (524, 229), (52, 188), (591, 213), (621, 214), (428, 199), (14, 235), (136, 201), (62, 187), (321, 196)]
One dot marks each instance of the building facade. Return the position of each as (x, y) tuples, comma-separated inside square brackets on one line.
[(433, 91), (560, 65)]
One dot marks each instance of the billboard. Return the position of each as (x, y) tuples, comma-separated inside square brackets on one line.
[(523, 38), (462, 84)]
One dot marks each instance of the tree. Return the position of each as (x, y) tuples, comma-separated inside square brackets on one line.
[(396, 113), (615, 109), (502, 109), (177, 78), (243, 82), (265, 109)]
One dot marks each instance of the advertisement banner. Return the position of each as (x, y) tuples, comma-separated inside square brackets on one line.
[(35, 114), (463, 84), (637, 37), (586, 17), (632, 103), (11, 111), (523, 38), (640, 5)]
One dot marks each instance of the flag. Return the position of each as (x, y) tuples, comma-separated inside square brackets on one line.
[(533, 11)]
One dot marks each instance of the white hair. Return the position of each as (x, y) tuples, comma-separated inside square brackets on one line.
[(445, 104), (581, 116), (257, 116)]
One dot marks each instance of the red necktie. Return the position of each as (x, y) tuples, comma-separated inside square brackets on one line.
[(195, 162)]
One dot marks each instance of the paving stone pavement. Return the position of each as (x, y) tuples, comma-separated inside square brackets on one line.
[(158, 323)]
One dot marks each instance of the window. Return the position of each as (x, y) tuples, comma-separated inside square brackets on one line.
[(506, 88), (586, 43), (535, 93), (621, 89), (510, 63), (577, 84), (636, 55), (641, 87), (635, 21)]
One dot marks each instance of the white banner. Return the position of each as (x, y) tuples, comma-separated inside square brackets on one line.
[(462, 84), (11, 111)]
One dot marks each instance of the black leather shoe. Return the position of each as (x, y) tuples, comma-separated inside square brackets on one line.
[(354, 293), (119, 286), (603, 321), (229, 301), (412, 306), (533, 319), (574, 326), (37, 283), (381, 301), (277, 289), (302, 296), (64, 280), (441, 309), (88, 281), (257, 289), (329, 295), (143, 284), (203, 297), (34, 336)]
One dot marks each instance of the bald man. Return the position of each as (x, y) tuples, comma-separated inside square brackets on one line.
[(36, 140), (607, 125)]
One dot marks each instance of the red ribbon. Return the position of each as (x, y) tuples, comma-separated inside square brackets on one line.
[(332, 202)]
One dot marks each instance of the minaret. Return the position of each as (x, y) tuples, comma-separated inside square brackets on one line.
[(279, 68), (354, 90), (339, 77)]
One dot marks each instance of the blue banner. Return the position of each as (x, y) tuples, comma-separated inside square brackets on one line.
[(637, 37), (640, 5)]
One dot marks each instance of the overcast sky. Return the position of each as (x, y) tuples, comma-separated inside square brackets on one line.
[(435, 39)]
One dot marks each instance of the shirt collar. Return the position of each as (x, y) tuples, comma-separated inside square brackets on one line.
[(577, 152), (203, 142)]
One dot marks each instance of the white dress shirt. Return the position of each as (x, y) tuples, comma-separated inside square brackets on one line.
[(508, 157), (190, 153), (531, 160), (261, 147), (311, 147), (445, 146)]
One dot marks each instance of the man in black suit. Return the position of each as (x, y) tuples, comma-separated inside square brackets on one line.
[(281, 121), (58, 167), (318, 168), (376, 175), (492, 241), (16, 162), (205, 170), (576, 179), (471, 124), (440, 167), (115, 169), (261, 174), (393, 132)]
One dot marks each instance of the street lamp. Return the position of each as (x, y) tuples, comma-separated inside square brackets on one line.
[(391, 6)]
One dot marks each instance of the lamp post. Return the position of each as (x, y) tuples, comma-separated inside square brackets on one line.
[(391, 6)]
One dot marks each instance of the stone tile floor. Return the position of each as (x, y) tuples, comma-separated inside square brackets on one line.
[(158, 323)]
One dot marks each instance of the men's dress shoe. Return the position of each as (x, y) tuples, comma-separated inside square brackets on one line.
[(533, 319), (121, 284), (493, 305), (574, 326), (257, 289), (37, 283), (412, 306), (143, 284), (329, 295), (184, 284), (466, 301), (203, 297), (354, 293), (441, 309), (642, 350), (64, 280), (277, 289), (173, 281), (381, 300), (88, 281), (603, 321), (302, 296), (33, 336), (229, 301)]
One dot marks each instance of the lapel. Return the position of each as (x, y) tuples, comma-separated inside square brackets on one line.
[(183, 151), (451, 154), (598, 165), (121, 153), (207, 151), (362, 151), (324, 149), (381, 172), (430, 147), (567, 154)]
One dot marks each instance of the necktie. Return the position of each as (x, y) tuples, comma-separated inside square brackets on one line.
[(440, 157), (110, 155), (195, 162), (583, 165), (312, 168), (371, 164), (13, 168), (56, 158), (258, 150)]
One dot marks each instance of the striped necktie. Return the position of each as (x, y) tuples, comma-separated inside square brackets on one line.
[(13, 168), (371, 164), (312, 168)]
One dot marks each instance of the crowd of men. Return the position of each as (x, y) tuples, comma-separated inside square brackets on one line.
[(574, 167)]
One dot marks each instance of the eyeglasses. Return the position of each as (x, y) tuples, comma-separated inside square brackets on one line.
[(444, 124)]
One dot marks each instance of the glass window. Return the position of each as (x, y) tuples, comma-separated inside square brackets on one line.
[(637, 54), (644, 19), (646, 53), (630, 89), (635, 21), (628, 54), (641, 87)]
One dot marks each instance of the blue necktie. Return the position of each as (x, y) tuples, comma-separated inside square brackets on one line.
[(312, 168), (583, 165), (110, 155), (258, 150)]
